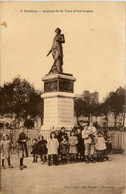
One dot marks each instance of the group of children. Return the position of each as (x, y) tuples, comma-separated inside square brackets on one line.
[(82, 145), (39, 149), (86, 144)]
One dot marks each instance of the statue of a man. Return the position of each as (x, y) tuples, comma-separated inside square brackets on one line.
[(57, 52)]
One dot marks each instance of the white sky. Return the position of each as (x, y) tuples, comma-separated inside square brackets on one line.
[(94, 51)]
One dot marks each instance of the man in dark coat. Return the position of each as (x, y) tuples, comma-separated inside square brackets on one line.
[(80, 146), (62, 134), (29, 124)]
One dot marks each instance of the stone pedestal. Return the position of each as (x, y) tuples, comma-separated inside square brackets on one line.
[(58, 101)]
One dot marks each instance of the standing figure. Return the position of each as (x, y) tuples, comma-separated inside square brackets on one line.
[(34, 149), (73, 141), (92, 135), (22, 139), (89, 147), (93, 132), (80, 146), (100, 147), (108, 146), (57, 52), (44, 150), (28, 124), (53, 146), (6, 150), (62, 134), (64, 145), (39, 148)]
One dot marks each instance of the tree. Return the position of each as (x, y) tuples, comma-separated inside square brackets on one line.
[(83, 106), (105, 109), (91, 107), (21, 98), (79, 107), (116, 101)]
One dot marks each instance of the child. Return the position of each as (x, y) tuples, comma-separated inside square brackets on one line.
[(34, 149), (73, 141), (108, 149), (64, 145), (100, 146), (6, 150), (52, 146), (93, 132), (80, 146), (44, 150), (22, 139), (108, 145), (87, 142), (39, 148)]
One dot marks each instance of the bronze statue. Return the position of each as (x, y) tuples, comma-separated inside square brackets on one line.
[(57, 52)]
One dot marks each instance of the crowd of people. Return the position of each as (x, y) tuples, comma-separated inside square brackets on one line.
[(83, 144)]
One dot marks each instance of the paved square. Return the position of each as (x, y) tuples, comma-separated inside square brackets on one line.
[(80, 178)]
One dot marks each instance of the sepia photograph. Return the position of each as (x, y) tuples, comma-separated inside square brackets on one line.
[(62, 97)]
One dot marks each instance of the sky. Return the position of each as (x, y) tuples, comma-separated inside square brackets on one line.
[(94, 49)]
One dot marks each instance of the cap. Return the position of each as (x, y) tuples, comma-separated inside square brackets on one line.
[(84, 124)]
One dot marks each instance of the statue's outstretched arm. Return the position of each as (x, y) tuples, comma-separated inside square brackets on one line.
[(49, 52)]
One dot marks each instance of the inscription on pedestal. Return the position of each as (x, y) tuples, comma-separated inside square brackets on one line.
[(58, 111)]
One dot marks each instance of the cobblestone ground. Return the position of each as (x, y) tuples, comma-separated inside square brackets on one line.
[(80, 178)]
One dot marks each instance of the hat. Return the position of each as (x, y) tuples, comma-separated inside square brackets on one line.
[(84, 124), (62, 128), (34, 139), (5, 134)]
